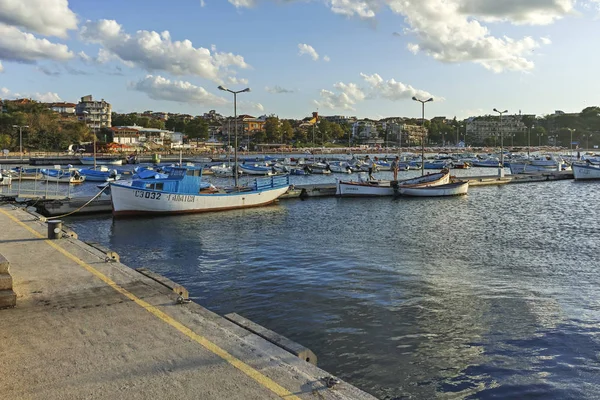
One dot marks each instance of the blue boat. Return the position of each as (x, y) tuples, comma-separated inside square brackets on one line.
[(100, 174)]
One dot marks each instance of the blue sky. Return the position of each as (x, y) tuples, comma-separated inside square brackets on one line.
[(361, 57)]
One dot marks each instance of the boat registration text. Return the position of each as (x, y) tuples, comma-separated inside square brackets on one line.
[(169, 197)]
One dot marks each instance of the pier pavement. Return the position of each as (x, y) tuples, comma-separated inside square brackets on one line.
[(85, 328)]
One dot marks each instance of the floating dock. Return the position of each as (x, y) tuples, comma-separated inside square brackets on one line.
[(86, 326)]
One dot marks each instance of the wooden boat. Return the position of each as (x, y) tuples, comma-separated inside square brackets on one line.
[(101, 161), (387, 188), (183, 191), (449, 189), (461, 165), (72, 177), (585, 171), (255, 169), (99, 174)]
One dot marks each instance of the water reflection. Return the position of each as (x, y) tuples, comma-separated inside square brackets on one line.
[(490, 295)]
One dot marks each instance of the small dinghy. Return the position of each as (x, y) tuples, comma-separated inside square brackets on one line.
[(450, 189)]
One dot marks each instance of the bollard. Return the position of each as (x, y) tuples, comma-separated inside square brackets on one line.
[(54, 229)]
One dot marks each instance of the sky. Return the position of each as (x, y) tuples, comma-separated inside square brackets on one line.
[(364, 58)]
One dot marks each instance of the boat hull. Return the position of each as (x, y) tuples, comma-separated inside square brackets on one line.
[(526, 168), (100, 161), (585, 172), (127, 201), (387, 188), (451, 189), (5, 180)]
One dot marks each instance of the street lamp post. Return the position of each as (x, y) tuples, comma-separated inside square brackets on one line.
[(501, 169), (529, 139), (235, 169), (423, 134), (21, 138)]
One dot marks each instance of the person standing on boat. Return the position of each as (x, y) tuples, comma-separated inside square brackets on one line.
[(372, 166), (395, 166)]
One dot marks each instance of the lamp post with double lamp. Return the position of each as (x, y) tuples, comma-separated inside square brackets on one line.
[(501, 168), (571, 131), (457, 130), (85, 115), (21, 138), (235, 136), (423, 134)]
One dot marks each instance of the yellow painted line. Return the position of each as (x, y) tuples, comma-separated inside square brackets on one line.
[(245, 368)]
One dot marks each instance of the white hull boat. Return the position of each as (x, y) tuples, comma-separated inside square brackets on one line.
[(178, 194), (450, 189), (255, 170), (5, 179), (101, 161), (387, 188), (585, 171)]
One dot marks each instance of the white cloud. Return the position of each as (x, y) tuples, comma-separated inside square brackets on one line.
[(249, 106), (443, 32), (345, 99), (453, 31), (25, 47), (48, 97), (536, 12), (155, 51), (546, 40), (232, 80), (326, 58), (159, 88), (350, 8), (1, 67), (202, 3), (243, 3), (307, 49), (278, 90), (392, 89), (46, 17), (348, 95)]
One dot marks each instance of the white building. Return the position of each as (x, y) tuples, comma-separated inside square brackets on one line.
[(63, 108), (96, 114)]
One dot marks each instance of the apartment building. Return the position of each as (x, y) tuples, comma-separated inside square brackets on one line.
[(95, 114), (480, 128)]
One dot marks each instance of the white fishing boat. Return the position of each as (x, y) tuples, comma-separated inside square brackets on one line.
[(340, 168), (449, 189), (5, 178), (101, 161), (543, 163), (585, 171), (387, 188), (183, 191)]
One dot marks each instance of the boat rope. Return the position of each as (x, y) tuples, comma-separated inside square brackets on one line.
[(81, 208)]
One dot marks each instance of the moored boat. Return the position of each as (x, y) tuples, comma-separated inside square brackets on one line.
[(183, 191), (5, 178), (72, 177), (255, 169), (101, 161), (585, 171), (449, 189), (99, 174), (387, 188)]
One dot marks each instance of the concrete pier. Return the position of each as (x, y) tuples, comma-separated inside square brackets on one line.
[(88, 327)]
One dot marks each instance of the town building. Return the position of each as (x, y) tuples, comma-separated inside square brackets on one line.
[(481, 128), (339, 119), (143, 137), (95, 114), (63, 108)]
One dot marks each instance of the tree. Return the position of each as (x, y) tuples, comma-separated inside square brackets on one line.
[(272, 129), (197, 129), (287, 132)]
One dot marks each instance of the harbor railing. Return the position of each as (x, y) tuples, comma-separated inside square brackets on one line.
[(31, 183)]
